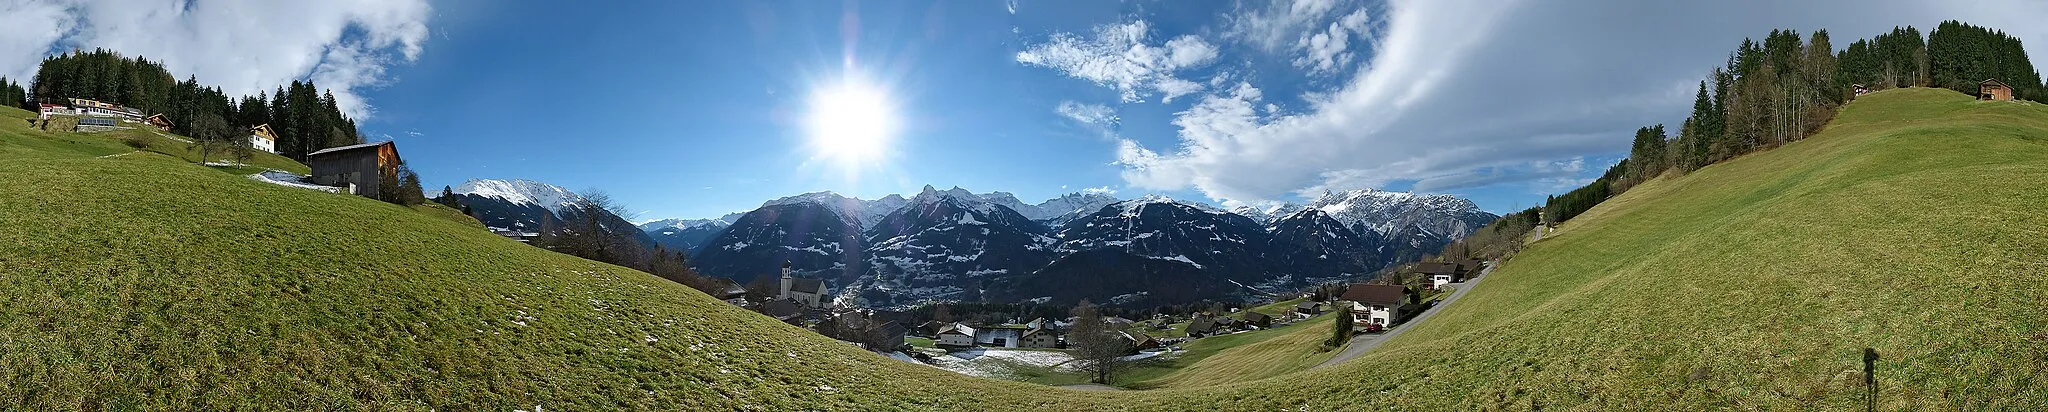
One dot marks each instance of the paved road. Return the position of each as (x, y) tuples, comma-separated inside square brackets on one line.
[(1365, 342)]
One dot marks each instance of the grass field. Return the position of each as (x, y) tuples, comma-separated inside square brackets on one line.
[(1240, 357), (1913, 225)]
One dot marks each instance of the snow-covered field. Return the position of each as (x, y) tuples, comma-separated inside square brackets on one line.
[(283, 178), (996, 363)]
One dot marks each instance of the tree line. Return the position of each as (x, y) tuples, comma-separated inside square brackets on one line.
[(304, 118), (585, 232), (1785, 88), (13, 95)]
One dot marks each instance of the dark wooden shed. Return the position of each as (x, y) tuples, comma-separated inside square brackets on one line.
[(363, 165), (1992, 89)]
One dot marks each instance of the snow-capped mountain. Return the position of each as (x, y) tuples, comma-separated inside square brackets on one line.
[(1387, 212), (525, 192), (814, 237), (863, 213), (946, 245), (954, 244), (529, 206)]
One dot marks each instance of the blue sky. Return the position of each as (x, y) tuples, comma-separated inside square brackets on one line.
[(696, 109)]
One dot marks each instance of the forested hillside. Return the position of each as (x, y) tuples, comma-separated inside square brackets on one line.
[(1783, 89)]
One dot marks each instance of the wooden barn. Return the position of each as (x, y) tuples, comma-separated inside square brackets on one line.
[(1992, 89), (361, 165)]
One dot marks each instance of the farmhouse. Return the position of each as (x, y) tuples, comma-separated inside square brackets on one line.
[(360, 168), (158, 120), (1438, 274), (1308, 309), (1039, 337), (956, 335), (1139, 340), (1992, 89), (809, 293), (260, 137), (1202, 325), (784, 311), (1258, 319), (1377, 304)]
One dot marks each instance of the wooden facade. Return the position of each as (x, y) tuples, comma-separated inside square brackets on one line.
[(1992, 89), (362, 165)]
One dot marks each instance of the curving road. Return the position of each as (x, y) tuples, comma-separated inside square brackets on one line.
[(1365, 342)]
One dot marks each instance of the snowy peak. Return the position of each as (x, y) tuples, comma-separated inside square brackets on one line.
[(683, 224), (863, 213), (525, 192)]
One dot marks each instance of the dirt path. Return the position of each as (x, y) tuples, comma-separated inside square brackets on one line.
[(1362, 343)]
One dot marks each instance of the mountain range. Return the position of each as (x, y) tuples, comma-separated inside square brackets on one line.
[(953, 244), (534, 207)]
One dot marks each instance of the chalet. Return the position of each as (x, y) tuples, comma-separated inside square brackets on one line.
[(261, 138), (1377, 304), (1438, 274), (48, 110), (887, 336), (1470, 268), (1039, 337), (1308, 309), (1992, 89), (956, 335), (1118, 322), (810, 293), (361, 168), (1258, 319), (1201, 326), (732, 291), (862, 328), (783, 310), (1139, 340), (158, 120)]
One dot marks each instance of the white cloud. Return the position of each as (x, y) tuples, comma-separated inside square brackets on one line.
[(1117, 56), (243, 46), (1318, 34), (1103, 190), (1085, 113), (1469, 93)]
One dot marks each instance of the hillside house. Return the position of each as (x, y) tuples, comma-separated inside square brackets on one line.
[(1307, 310), (809, 293), (1139, 340), (956, 335), (784, 311), (48, 110), (261, 138), (1436, 275), (1377, 304), (1470, 268), (1258, 319), (1992, 89), (1039, 337), (89, 107), (1201, 326), (159, 121), (360, 168)]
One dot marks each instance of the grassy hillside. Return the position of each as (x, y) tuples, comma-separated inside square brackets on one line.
[(1914, 225)]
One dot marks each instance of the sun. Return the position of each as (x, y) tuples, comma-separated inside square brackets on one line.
[(852, 122)]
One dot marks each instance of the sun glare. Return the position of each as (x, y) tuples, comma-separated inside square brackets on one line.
[(851, 122)]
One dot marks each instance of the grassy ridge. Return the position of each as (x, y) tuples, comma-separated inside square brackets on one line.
[(1912, 225)]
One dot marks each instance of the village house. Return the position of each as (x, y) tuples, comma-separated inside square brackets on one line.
[(1039, 337), (1436, 275), (784, 311), (860, 326), (261, 138), (1307, 310), (1470, 268), (809, 293), (159, 121), (1202, 325), (359, 168), (1258, 319), (1377, 304), (955, 334), (1139, 340), (1992, 89)]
